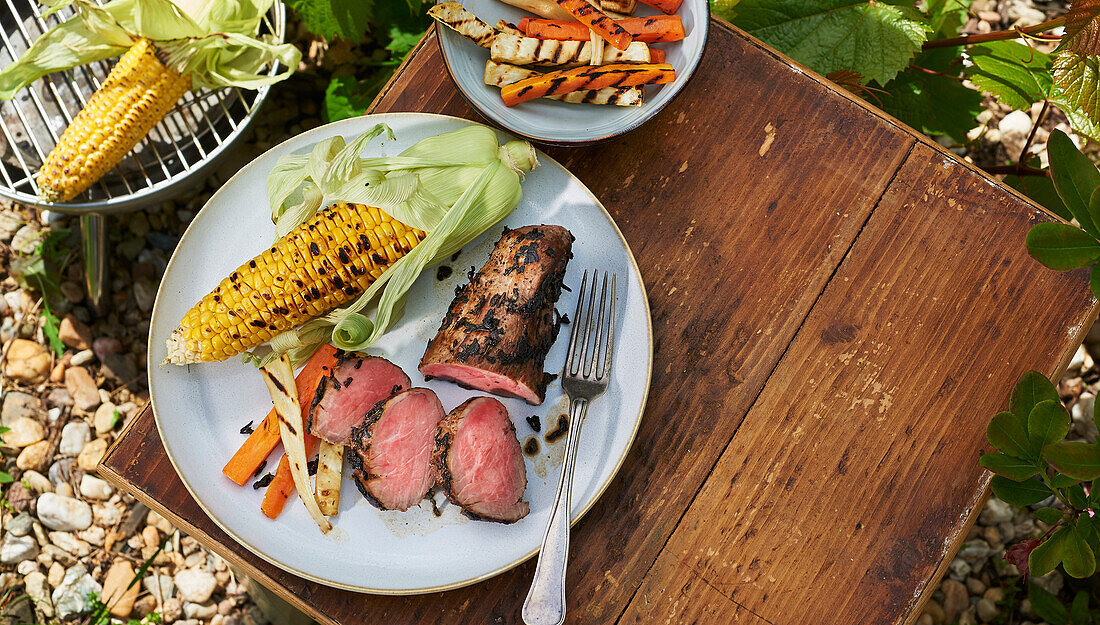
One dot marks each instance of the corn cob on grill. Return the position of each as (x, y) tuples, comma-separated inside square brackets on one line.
[(138, 93), (321, 264)]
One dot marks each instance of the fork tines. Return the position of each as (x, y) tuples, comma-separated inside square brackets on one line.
[(590, 357)]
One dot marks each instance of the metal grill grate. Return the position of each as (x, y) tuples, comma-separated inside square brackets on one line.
[(187, 140)]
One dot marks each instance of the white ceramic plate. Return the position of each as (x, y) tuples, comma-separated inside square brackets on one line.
[(550, 121), (200, 409)]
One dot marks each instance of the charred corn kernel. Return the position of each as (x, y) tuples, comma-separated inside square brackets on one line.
[(138, 93), (323, 263)]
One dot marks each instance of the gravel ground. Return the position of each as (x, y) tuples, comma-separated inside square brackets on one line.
[(64, 533)]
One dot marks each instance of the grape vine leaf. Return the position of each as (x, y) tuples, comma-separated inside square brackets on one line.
[(874, 38), (1016, 74), (931, 97), (1078, 79), (335, 19), (1083, 27), (947, 17)]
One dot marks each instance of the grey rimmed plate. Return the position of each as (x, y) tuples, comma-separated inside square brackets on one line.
[(200, 409), (555, 122)]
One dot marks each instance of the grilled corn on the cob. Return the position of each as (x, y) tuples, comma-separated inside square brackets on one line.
[(138, 93), (321, 264)]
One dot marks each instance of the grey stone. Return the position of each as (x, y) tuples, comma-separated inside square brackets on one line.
[(19, 405), (72, 596), (201, 611), (16, 549), (21, 525), (71, 544), (995, 511), (74, 436), (167, 588), (63, 513)]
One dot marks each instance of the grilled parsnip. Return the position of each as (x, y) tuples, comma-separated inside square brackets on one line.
[(457, 18), (520, 50)]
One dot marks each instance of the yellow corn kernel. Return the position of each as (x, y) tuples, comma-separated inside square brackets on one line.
[(138, 93), (316, 267)]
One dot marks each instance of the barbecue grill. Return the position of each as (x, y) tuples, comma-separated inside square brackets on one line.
[(183, 146)]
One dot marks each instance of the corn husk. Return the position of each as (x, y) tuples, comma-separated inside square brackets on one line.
[(212, 41), (454, 186)]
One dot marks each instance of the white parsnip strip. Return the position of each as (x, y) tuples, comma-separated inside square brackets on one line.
[(520, 50), (279, 377), (455, 16), (330, 466)]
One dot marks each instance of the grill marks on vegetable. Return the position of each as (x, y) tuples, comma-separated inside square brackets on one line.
[(499, 327)]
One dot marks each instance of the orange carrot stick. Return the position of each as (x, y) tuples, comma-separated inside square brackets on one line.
[(597, 22), (587, 77), (280, 488), (653, 29), (656, 55), (664, 6), (257, 447)]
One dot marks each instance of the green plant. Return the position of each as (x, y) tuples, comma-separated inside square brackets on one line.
[(40, 271), (101, 613), (1033, 463), (5, 477)]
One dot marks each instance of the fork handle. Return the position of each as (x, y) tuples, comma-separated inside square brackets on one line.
[(545, 603)]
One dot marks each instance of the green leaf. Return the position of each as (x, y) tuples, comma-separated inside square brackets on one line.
[(346, 97), (1013, 468), (1048, 423), (1088, 526), (872, 38), (1032, 388), (1048, 515), (402, 42), (1076, 496), (1094, 206), (1063, 481), (1062, 246), (1024, 493), (51, 329), (946, 17), (1016, 74), (1079, 610), (1078, 78), (1041, 190), (335, 19), (930, 102), (1006, 435), (5, 477), (1094, 286), (1075, 177), (1075, 459), (1047, 556), (1077, 556)]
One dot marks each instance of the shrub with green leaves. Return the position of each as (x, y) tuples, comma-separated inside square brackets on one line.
[(1033, 463)]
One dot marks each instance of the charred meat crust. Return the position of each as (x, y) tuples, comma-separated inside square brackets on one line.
[(504, 320), (359, 449), (444, 437)]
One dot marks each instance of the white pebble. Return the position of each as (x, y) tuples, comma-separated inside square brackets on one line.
[(74, 436), (63, 513), (82, 357)]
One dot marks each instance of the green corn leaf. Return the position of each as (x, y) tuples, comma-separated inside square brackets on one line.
[(1062, 246), (1048, 423), (1032, 388), (1045, 558), (1079, 610), (1016, 74), (1015, 469), (874, 39), (1025, 493), (1048, 515), (1075, 177), (1077, 556), (1007, 435), (1075, 459)]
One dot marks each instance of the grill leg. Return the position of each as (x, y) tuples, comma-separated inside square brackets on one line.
[(93, 238)]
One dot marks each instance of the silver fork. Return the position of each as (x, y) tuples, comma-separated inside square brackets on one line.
[(584, 378)]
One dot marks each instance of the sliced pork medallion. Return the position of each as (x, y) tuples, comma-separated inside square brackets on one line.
[(499, 327), (349, 391), (479, 462), (391, 452)]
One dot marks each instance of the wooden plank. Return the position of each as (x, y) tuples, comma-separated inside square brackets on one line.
[(856, 469)]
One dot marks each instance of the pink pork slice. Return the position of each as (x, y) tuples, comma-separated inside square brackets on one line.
[(480, 463), (349, 392), (391, 452)]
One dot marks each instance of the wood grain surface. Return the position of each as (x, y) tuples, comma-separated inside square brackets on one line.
[(838, 306)]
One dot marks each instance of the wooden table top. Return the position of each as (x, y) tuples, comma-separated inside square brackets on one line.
[(839, 307)]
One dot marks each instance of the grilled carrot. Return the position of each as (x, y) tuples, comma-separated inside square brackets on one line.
[(653, 29), (590, 77), (664, 6), (597, 22), (264, 438), (280, 488), (656, 55)]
